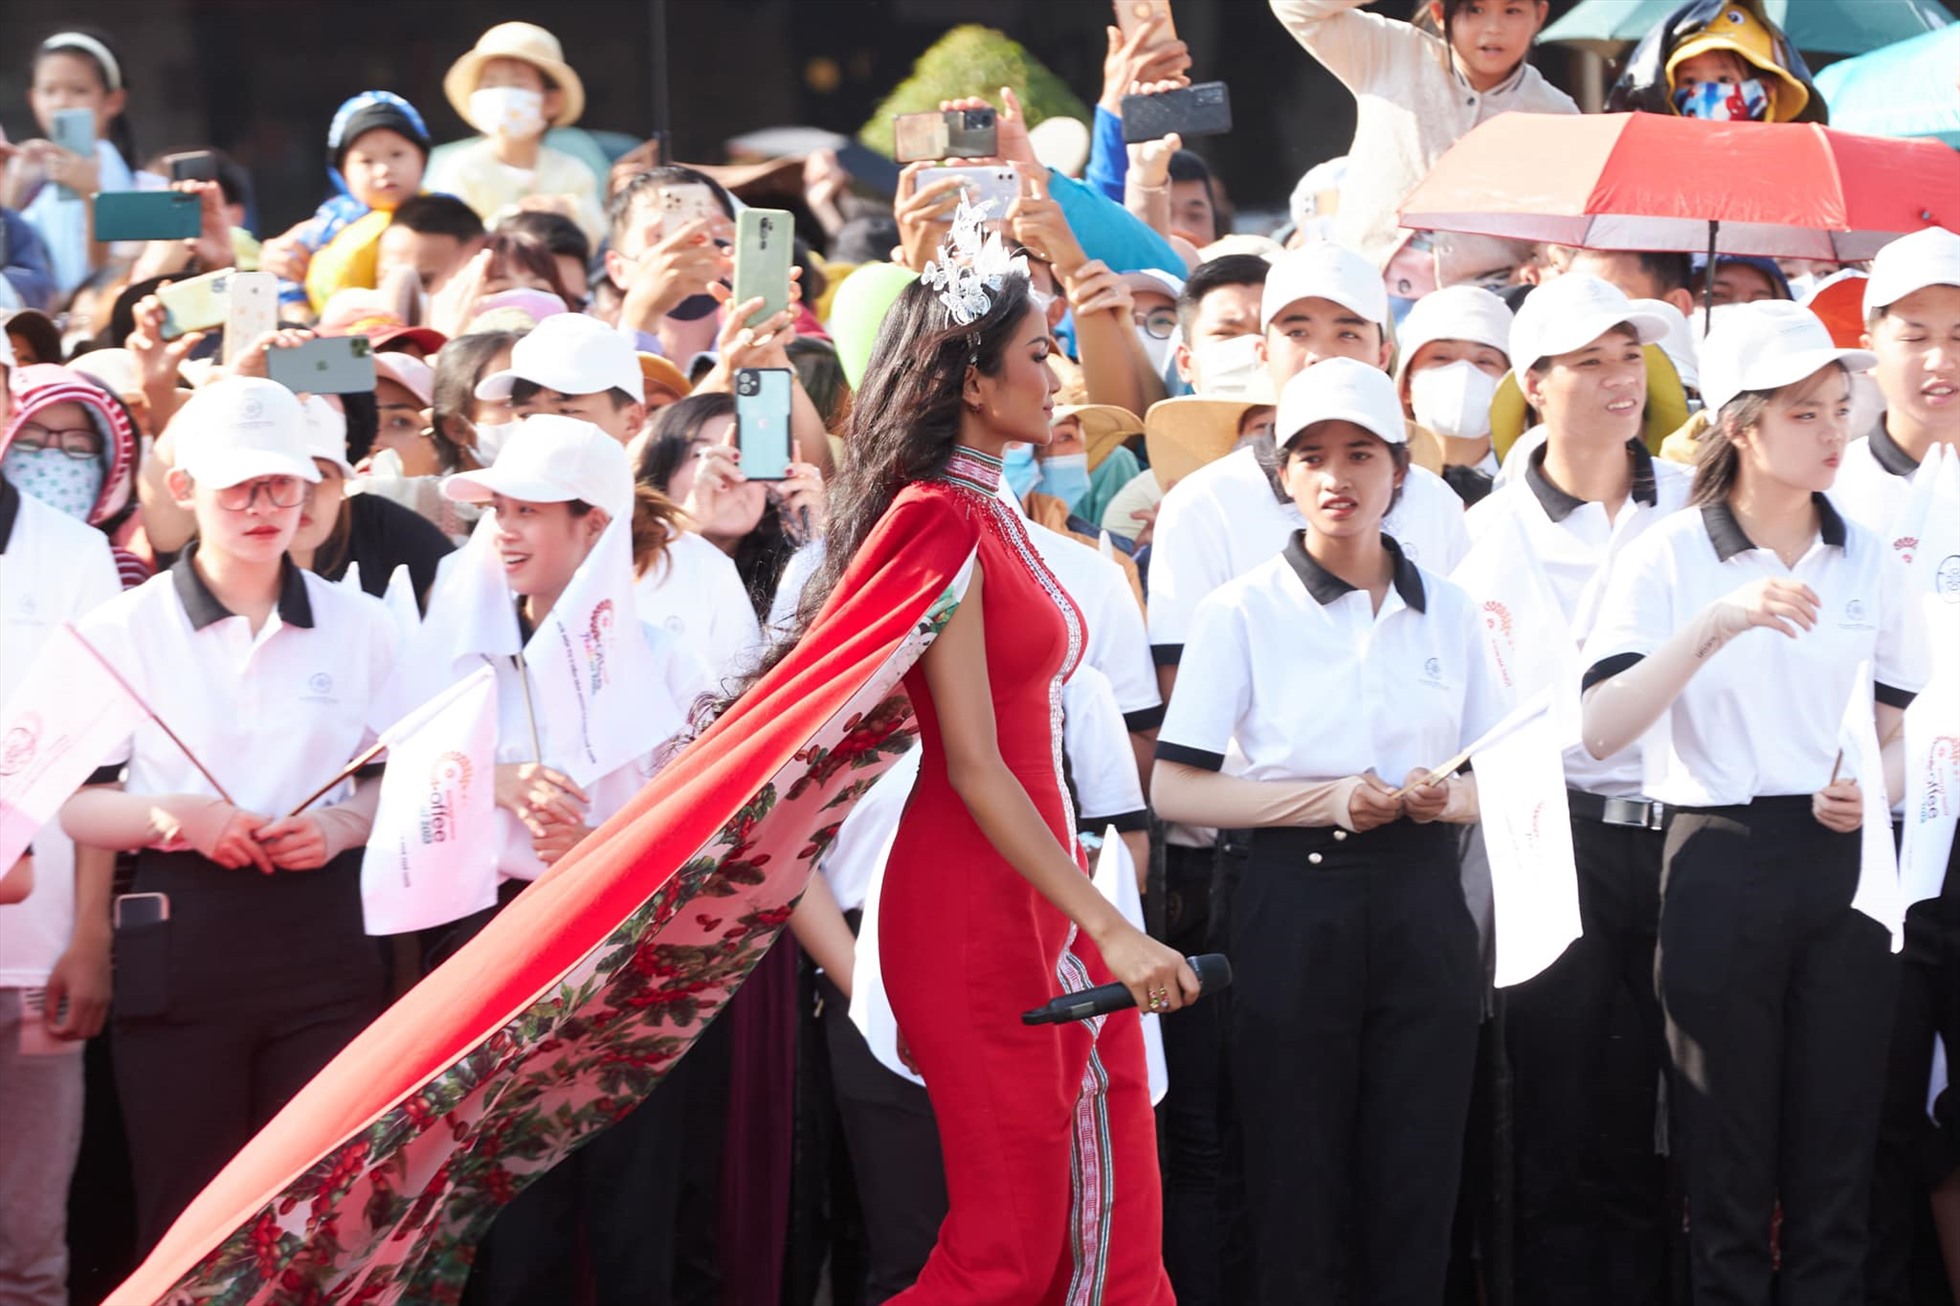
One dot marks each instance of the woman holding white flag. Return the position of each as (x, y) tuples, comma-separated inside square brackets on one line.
[(588, 699), (241, 963), (1777, 990), (1358, 981)]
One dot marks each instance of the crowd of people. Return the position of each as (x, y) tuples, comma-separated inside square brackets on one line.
[(1198, 527)]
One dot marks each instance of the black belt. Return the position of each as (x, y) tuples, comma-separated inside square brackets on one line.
[(1638, 813)]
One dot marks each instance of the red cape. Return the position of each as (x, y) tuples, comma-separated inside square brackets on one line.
[(375, 1182)]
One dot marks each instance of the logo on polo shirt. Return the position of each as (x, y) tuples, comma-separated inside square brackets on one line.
[(1856, 616), (319, 688), (1497, 621), (449, 790), (1904, 545), (1432, 673), (1946, 578)]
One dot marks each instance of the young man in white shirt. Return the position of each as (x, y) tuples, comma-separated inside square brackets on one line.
[(1912, 316), (1590, 1227), (54, 944)]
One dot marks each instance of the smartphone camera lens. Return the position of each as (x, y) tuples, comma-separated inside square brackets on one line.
[(745, 384)]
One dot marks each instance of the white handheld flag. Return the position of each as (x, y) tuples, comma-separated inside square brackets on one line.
[(1526, 634), (432, 855), (64, 717), (593, 675), (1527, 832), (1116, 880), (1932, 806), (400, 601), (1878, 895)]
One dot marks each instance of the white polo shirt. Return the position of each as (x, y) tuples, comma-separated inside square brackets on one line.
[(1101, 765), (1225, 519), (1874, 481), (1577, 543), (1295, 667), (1762, 717), (53, 569), (273, 715), (696, 595)]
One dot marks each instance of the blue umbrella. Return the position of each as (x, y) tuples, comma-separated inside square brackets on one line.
[(1907, 89), (1814, 26)]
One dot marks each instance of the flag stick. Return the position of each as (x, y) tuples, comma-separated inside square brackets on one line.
[(1524, 712), (150, 712), (530, 711), (367, 755)]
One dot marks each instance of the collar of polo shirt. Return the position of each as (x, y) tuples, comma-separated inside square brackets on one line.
[(1326, 587), (204, 609), (9, 509), (1559, 505), (1887, 452), (1729, 539)]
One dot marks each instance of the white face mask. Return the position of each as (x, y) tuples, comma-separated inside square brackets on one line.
[(490, 437), (1226, 368), (507, 111), (1454, 400)]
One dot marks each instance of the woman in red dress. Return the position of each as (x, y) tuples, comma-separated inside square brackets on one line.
[(375, 1182), (1047, 1132)]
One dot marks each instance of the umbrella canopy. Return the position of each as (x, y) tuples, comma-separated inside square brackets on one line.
[(1906, 89), (1651, 182), (1818, 26)]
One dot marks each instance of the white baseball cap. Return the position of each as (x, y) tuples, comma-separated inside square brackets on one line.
[(1770, 344), (1570, 313), (553, 459), (1925, 258), (326, 431), (1330, 272), (1340, 390), (241, 428), (572, 354), (1453, 313)]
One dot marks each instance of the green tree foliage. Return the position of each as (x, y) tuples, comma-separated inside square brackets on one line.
[(973, 60)]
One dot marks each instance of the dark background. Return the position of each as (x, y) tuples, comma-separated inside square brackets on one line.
[(261, 78)]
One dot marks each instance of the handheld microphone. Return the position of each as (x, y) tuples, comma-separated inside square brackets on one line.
[(1214, 973)]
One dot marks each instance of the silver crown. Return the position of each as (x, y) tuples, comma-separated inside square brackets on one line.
[(971, 264)]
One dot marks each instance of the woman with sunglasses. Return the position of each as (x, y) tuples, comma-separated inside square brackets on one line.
[(242, 965)]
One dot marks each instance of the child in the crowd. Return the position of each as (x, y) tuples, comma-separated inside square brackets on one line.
[(70, 445), (52, 186), (512, 86), (377, 148), (1721, 60), (1418, 90)]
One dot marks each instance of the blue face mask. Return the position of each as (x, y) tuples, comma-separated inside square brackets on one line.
[(70, 485), (1066, 476), (1020, 469), (1744, 101)]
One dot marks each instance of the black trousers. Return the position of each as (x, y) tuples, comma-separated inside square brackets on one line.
[(617, 1198), (894, 1146), (263, 980), (1778, 999), (1914, 1154), (1356, 1001), (1192, 1116), (1591, 1193)]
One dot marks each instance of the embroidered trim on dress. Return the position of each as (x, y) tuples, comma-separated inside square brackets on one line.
[(974, 470)]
